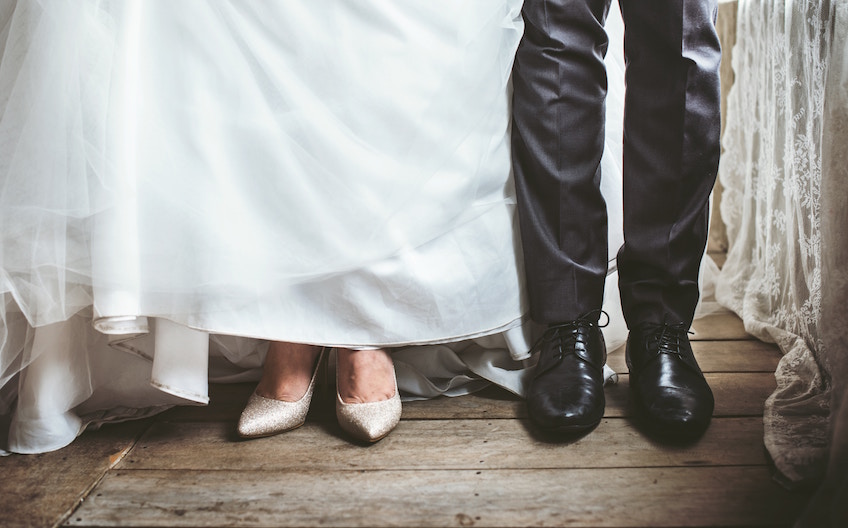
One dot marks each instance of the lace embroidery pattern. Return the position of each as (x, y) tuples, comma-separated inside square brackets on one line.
[(772, 174)]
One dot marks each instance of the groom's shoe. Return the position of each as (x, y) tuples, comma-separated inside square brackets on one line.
[(566, 394), (667, 385)]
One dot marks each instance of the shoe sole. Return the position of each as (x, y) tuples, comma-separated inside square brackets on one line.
[(568, 430)]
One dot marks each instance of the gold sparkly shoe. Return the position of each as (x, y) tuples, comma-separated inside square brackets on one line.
[(369, 421), (266, 416)]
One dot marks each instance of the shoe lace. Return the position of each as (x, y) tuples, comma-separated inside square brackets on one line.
[(668, 337), (567, 333)]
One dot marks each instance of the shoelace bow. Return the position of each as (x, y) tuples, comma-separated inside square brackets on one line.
[(567, 334)]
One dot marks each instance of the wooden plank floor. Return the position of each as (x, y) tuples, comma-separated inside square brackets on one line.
[(469, 461)]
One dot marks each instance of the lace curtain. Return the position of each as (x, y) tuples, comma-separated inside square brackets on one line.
[(785, 204)]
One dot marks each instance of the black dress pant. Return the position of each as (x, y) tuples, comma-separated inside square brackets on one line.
[(671, 150)]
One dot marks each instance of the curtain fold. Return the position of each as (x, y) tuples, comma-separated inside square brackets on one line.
[(785, 203)]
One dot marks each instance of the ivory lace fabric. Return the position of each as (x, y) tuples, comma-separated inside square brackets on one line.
[(182, 181), (785, 172)]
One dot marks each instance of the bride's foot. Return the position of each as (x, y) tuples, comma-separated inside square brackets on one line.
[(368, 405), (287, 371), (364, 376), (281, 400)]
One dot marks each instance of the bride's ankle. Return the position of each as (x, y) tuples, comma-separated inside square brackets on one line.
[(288, 370), (365, 375)]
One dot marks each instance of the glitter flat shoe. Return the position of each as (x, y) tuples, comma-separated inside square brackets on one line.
[(266, 416), (369, 421)]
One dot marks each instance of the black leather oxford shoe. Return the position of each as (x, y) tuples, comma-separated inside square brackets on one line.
[(669, 390), (566, 394)]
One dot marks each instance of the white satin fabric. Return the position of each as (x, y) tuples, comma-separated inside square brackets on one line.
[(181, 181)]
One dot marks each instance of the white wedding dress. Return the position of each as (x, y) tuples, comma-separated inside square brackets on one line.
[(182, 181)]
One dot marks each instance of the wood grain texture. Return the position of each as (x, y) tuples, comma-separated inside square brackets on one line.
[(709, 496), (41, 490), (468, 461), (441, 444), (739, 394), (736, 394), (719, 327), (721, 356), (720, 345)]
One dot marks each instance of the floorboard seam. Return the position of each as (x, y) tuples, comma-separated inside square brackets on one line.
[(113, 462)]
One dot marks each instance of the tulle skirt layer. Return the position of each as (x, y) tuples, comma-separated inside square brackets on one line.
[(182, 181), (196, 159)]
